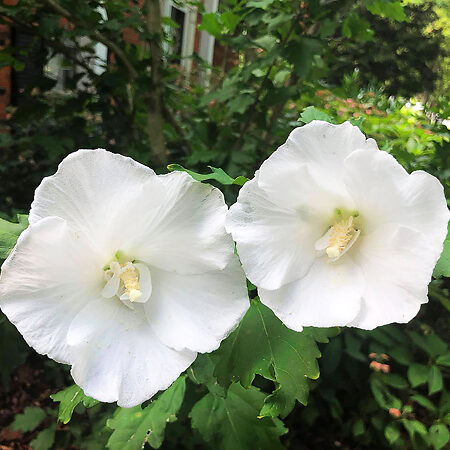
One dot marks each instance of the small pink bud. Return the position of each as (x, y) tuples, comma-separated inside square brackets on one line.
[(394, 412)]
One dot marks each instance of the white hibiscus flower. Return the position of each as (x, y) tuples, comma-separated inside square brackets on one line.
[(335, 232), (123, 274)]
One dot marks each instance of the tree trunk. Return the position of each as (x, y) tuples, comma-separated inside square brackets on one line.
[(155, 119)]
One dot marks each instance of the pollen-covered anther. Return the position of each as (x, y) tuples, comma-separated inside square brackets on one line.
[(130, 279), (342, 235)]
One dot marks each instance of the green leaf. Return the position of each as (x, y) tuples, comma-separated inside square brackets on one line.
[(439, 436), (383, 396), (263, 345), (9, 233), (232, 423), (69, 398), (414, 426), (45, 439), (423, 401), (311, 113), (240, 104), (217, 174), (263, 4), (392, 433), (133, 427), (443, 360), (30, 419), (301, 54), (356, 27), (387, 8), (417, 374), (442, 268), (358, 428), (395, 380), (202, 372), (211, 24), (435, 382)]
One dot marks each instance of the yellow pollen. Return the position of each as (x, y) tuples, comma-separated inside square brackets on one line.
[(130, 279), (341, 234)]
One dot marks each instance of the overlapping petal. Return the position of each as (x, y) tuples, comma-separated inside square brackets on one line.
[(386, 193), (88, 189), (49, 277), (117, 357), (328, 295), (197, 312), (397, 264), (321, 146), (275, 244), (178, 225)]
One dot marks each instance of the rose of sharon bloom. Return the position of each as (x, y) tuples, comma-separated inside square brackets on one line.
[(335, 232), (124, 274)]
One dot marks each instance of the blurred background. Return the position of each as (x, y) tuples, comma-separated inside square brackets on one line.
[(222, 83)]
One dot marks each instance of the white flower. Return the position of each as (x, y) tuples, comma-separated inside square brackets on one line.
[(123, 274), (335, 232)]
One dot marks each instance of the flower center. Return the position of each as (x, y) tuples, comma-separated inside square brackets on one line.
[(338, 239), (129, 281)]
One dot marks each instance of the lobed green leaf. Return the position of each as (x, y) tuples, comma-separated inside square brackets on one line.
[(68, 399), (133, 427), (263, 345), (29, 420), (232, 423)]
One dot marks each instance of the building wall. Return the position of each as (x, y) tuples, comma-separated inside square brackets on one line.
[(5, 74)]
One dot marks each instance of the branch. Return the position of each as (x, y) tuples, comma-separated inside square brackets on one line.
[(97, 35), (168, 114), (155, 120)]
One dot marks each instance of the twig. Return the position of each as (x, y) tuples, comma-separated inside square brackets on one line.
[(97, 35)]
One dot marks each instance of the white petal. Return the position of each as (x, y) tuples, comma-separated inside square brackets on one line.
[(118, 358), (45, 282), (197, 311), (178, 224), (111, 287), (145, 282), (322, 147), (385, 193), (89, 189), (397, 264), (329, 295), (275, 244)]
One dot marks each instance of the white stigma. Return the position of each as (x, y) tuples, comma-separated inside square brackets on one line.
[(130, 278), (338, 239), (130, 282)]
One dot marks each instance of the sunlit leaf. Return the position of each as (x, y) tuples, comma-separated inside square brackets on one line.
[(9, 233), (68, 399), (311, 113), (387, 8), (217, 174), (442, 268)]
